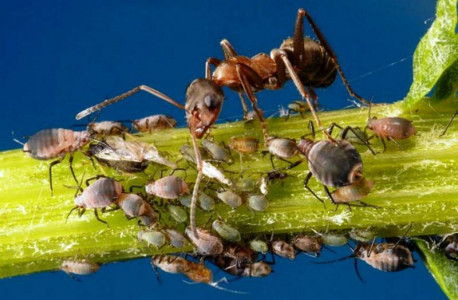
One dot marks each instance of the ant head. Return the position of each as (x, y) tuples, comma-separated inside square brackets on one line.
[(204, 100)]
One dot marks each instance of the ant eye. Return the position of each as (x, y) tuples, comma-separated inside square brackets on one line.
[(211, 101)]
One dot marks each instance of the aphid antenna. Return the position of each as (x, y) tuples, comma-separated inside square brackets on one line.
[(158, 276), (66, 219), (334, 260), (404, 235), (449, 123), (21, 143)]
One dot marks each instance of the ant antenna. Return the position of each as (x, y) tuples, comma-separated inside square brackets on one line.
[(107, 102)]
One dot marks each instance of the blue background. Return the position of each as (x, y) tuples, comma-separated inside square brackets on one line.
[(58, 57)]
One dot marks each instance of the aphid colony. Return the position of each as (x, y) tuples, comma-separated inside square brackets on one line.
[(161, 204)]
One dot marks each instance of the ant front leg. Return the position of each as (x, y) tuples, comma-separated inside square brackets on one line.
[(306, 181), (208, 71), (299, 48), (228, 50), (364, 141), (449, 123), (249, 78)]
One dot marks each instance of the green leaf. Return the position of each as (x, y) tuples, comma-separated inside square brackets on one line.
[(447, 85), (435, 53), (444, 270)]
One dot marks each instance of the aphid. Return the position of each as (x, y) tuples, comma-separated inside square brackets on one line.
[(245, 185), (100, 194), (258, 246), (257, 202), (385, 257), (450, 246), (152, 238), (134, 205), (177, 213), (449, 123), (244, 145), (217, 152), (309, 244), (154, 123), (391, 128), (362, 235), (56, 143), (127, 156), (106, 128), (176, 264), (185, 200), (282, 148), (79, 267), (357, 136), (355, 191), (238, 260), (169, 187), (333, 164), (227, 232), (230, 198), (206, 202), (297, 106), (283, 249), (176, 239), (205, 243), (334, 239)]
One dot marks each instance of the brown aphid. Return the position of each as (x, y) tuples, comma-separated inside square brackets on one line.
[(385, 257), (102, 193), (244, 145), (355, 191), (308, 244), (79, 267), (283, 148), (450, 246), (169, 187), (197, 272), (283, 249), (56, 143), (390, 128), (134, 206), (154, 123), (205, 243), (106, 128)]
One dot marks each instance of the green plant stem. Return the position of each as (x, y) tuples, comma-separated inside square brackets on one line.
[(413, 184)]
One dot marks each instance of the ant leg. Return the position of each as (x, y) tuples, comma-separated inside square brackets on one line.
[(244, 106), (228, 50), (331, 128), (300, 15), (249, 78), (210, 61), (50, 173), (199, 163), (314, 96), (449, 123), (306, 181), (272, 161), (329, 194), (349, 128), (280, 55), (142, 87)]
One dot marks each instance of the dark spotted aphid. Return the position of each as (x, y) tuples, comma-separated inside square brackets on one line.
[(56, 143), (197, 272), (101, 194), (169, 187), (127, 156), (79, 267), (283, 249), (390, 128), (154, 123), (385, 257)]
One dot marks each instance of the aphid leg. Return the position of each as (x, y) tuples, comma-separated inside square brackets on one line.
[(349, 128), (248, 77), (158, 276), (131, 188), (70, 162), (371, 247), (449, 123), (276, 54), (81, 212), (394, 141), (98, 219), (272, 161), (66, 219), (306, 181), (384, 145), (300, 15), (142, 87), (50, 173)]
